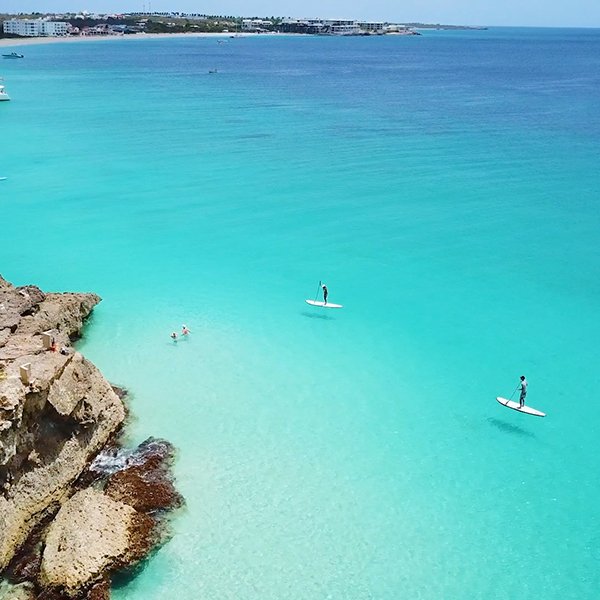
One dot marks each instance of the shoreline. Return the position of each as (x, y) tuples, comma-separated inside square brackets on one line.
[(34, 41)]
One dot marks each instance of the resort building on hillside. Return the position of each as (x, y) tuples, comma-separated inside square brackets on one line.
[(36, 27)]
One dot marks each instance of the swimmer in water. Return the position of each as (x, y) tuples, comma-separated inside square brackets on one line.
[(184, 330), (174, 336)]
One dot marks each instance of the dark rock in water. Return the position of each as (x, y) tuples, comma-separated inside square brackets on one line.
[(121, 392), (145, 482), (51, 595), (101, 591), (144, 535), (25, 564)]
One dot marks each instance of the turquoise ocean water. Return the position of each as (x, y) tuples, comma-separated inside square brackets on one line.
[(446, 189)]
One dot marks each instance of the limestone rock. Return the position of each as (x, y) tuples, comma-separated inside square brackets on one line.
[(61, 312), (60, 538), (53, 423), (89, 534), (78, 382)]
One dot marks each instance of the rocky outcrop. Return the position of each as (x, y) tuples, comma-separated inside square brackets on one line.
[(90, 535), (57, 412), (56, 409)]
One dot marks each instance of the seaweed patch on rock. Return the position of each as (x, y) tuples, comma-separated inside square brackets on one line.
[(145, 482)]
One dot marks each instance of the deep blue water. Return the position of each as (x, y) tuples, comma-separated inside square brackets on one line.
[(445, 187)]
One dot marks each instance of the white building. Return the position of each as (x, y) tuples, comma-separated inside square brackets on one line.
[(372, 26), (341, 27), (54, 28), (256, 24), (36, 27)]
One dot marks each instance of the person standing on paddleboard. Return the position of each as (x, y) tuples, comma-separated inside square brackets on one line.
[(325, 292), (523, 391)]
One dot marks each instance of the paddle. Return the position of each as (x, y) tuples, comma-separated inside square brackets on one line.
[(318, 288)]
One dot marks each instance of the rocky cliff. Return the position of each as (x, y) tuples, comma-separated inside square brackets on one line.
[(59, 537)]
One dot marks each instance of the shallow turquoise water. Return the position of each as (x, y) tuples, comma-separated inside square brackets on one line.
[(444, 187)]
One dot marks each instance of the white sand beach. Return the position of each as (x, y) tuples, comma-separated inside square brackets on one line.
[(10, 42)]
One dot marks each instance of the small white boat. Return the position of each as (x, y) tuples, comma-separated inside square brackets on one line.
[(13, 55), (3, 94)]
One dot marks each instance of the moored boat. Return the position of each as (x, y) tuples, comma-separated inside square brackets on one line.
[(13, 55), (3, 94)]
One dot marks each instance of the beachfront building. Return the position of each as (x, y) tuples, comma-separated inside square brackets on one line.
[(321, 26), (256, 25), (340, 27), (311, 26), (36, 27), (372, 27)]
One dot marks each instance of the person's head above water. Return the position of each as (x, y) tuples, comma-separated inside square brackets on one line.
[(522, 377)]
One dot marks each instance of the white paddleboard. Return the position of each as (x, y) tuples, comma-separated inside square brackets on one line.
[(524, 409), (321, 304), (3, 178)]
